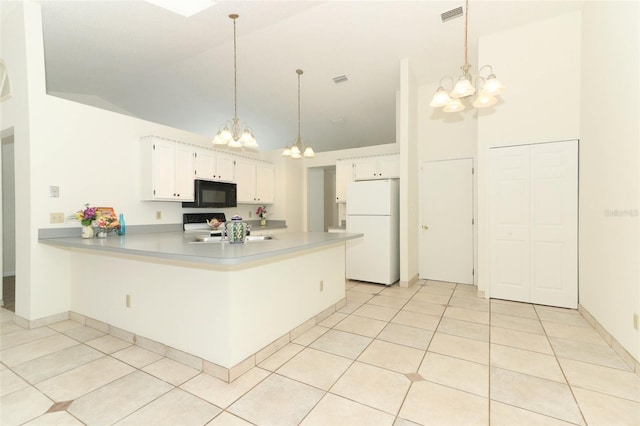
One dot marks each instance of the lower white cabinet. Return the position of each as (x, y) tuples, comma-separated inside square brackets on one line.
[(255, 182), (167, 170)]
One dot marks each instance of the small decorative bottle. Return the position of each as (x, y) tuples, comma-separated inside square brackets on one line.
[(236, 230), (122, 229)]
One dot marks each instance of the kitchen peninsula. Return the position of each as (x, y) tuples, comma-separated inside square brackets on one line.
[(220, 302)]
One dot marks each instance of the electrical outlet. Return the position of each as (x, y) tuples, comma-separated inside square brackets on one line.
[(128, 301), (635, 321), (321, 285), (158, 214), (56, 217)]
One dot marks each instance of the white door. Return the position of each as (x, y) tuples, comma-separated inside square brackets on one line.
[(509, 212), (554, 224), (534, 223), (446, 235)]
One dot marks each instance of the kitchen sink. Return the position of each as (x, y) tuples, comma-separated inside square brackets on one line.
[(217, 239)]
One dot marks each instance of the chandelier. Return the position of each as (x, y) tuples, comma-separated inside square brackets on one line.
[(234, 134), (487, 87), (297, 150)]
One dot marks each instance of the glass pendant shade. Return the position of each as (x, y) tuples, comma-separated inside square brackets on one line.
[(493, 86), (308, 152), (484, 100), (440, 98), (286, 152), (246, 137), (235, 144), (463, 88), (454, 106), (218, 140), (296, 153), (225, 134)]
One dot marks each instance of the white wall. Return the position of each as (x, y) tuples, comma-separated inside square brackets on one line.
[(540, 66), (610, 168)]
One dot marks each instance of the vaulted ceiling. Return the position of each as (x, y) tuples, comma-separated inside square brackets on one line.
[(135, 58)]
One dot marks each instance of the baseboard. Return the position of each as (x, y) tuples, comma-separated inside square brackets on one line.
[(628, 359), (223, 373), (409, 283)]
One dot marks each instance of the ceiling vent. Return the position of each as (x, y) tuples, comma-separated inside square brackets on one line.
[(340, 79), (451, 14)]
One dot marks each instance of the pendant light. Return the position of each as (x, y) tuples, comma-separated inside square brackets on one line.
[(233, 133), (298, 150), (488, 87)]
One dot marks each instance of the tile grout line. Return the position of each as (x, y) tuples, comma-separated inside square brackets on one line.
[(560, 366)]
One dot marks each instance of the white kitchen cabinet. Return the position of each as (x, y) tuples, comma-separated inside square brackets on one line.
[(255, 182), (344, 175), (167, 170), (378, 167), (213, 165)]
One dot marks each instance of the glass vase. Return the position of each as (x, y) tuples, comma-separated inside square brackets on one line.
[(102, 232), (263, 221)]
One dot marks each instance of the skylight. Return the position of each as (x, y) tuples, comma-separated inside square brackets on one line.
[(185, 8)]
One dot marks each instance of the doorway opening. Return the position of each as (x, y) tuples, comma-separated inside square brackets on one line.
[(322, 209), (7, 212)]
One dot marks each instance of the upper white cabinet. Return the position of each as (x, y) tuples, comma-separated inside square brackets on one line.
[(255, 182), (344, 175), (167, 170), (378, 167), (214, 165)]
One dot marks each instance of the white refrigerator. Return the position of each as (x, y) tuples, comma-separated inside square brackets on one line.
[(373, 210)]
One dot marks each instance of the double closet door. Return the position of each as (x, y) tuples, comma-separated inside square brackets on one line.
[(533, 231)]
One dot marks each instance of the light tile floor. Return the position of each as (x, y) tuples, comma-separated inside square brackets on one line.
[(433, 354)]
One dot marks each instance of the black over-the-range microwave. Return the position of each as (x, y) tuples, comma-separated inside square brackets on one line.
[(213, 194)]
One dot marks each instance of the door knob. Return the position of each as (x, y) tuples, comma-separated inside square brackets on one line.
[(425, 227)]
